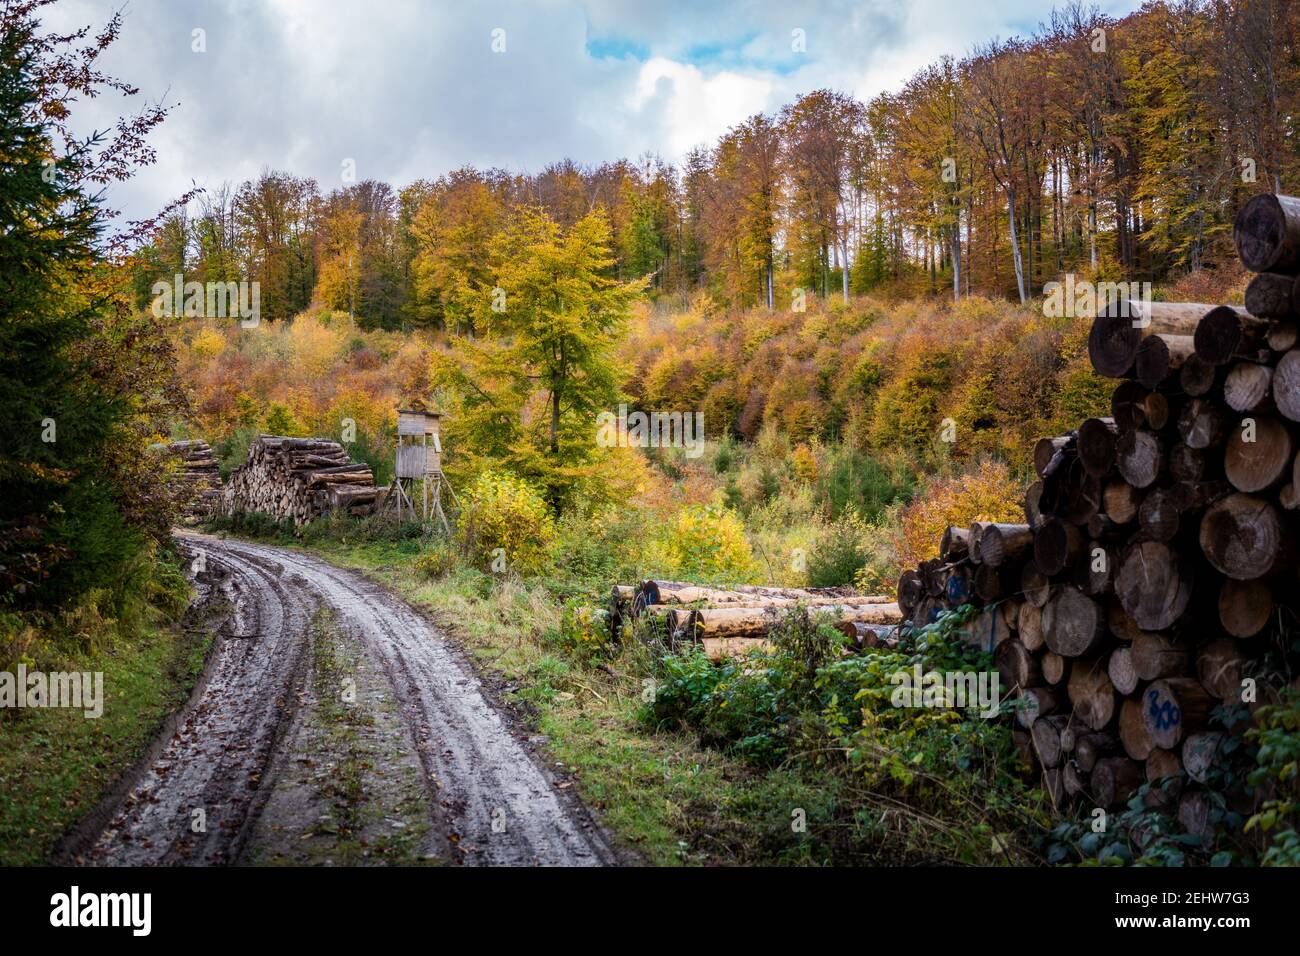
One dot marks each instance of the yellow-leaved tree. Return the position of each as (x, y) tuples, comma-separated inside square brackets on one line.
[(529, 384)]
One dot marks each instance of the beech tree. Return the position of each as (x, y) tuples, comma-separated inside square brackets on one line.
[(819, 131), (276, 218), (996, 120), (452, 230)]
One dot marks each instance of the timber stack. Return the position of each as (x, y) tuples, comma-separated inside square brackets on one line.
[(727, 622), (1156, 566), (200, 477), (298, 480)]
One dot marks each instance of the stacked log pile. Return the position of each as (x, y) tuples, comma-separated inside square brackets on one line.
[(299, 479), (201, 476), (731, 621), (1156, 565)]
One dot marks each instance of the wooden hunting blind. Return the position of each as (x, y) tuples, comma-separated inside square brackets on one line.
[(419, 458), (419, 444)]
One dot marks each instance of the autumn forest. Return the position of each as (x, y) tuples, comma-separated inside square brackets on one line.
[(390, 429), (1116, 148)]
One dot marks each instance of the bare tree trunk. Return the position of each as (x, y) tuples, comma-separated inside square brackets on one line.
[(932, 255), (1092, 208), (956, 259), (970, 251), (1058, 231), (844, 270), (1015, 244)]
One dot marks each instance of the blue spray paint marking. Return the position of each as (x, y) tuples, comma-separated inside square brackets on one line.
[(957, 589), (1166, 715)]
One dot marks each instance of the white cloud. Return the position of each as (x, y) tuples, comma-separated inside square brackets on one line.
[(411, 89), (692, 107)]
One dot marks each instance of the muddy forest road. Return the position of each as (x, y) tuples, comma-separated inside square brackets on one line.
[(487, 799)]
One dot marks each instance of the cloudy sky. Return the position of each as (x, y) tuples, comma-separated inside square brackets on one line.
[(411, 89)]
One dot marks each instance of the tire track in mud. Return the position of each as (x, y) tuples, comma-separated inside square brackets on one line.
[(215, 757), (499, 801)]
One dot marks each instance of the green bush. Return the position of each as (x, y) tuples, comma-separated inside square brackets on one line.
[(839, 553), (1277, 735), (232, 450), (342, 528), (725, 456), (593, 549), (952, 778), (706, 542), (437, 561), (737, 704), (279, 420), (254, 524), (506, 526), (685, 681), (583, 630), (866, 484), (377, 452)]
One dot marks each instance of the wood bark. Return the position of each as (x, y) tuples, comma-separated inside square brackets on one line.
[(1117, 334), (1227, 332), (1267, 234)]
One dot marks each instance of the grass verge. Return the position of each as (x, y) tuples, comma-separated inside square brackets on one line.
[(56, 764)]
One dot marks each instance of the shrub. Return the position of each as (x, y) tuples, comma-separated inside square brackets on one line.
[(725, 455), (280, 420), (21, 642), (839, 552), (739, 704), (232, 451), (437, 561), (596, 547), (1080, 391), (807, 642), (987, 493), (803, 462), (708, 541), (582, 630), (906, 413), (866, 483), (685, 683), (375, 451), (207, 343), (502, 512), (258, 524), (342, 528), (879, 575), (1278, 737)]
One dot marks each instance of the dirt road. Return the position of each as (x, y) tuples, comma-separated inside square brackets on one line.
[(490, 800)]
